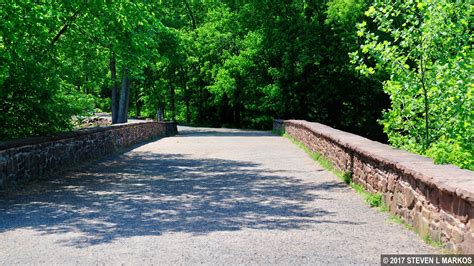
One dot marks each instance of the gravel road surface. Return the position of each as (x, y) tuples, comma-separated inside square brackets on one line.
[(207, 196)]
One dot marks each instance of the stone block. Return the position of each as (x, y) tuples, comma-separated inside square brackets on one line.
[(408, 197), (461, 209), (448, 218), (418, 207), (435, 231), (425, 212), (400, 198), (393, 203), (457, 235), (391, 183), (435, 216), (382, 185), (446, 201), (467, 246), (421, 225), (433, 195), (403, 212)]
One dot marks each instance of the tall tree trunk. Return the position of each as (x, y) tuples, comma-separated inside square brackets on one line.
[(422, 69), (114, 96), (237, 105), (159, 114), (122, 110), (86, 90), (137, 101), (127, 99), (172, 100), (200, 105), (184, 84), (426, 110), (186, 102), (138, 106)]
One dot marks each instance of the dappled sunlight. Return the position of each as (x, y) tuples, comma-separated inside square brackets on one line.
[(146, 193)]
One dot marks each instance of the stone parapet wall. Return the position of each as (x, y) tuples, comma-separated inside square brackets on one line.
[(29, 158), (437, 200)]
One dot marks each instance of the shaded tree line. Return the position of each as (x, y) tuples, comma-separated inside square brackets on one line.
[(241, 63)]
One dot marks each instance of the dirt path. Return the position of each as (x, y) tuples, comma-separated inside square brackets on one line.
[(207, 196)]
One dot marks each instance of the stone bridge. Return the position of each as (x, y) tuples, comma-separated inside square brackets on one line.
[(209, 196)]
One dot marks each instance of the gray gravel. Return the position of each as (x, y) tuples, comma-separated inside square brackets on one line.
[(212, 196)]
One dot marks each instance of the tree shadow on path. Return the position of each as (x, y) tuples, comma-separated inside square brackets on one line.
[(147, 194)]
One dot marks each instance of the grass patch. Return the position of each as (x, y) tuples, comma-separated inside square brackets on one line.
[(434, 243), (359, 188), (426, 238), (384, 207), (316, 156), (396, 219), (347, 177), (374, 200)]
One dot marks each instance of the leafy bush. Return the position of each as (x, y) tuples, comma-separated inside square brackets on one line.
[(347, 177), (447, 151), (374, 200)]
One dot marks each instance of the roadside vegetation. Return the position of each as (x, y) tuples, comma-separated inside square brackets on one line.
[(394, 71)]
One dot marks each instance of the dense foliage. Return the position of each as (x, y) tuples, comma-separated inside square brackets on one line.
[(240, 63), (426, 47)]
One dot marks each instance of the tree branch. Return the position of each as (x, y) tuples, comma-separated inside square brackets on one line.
[(191, 15), (65, 26)]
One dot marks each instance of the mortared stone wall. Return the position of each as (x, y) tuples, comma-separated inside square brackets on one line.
[(29, 158), (437, 200)]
